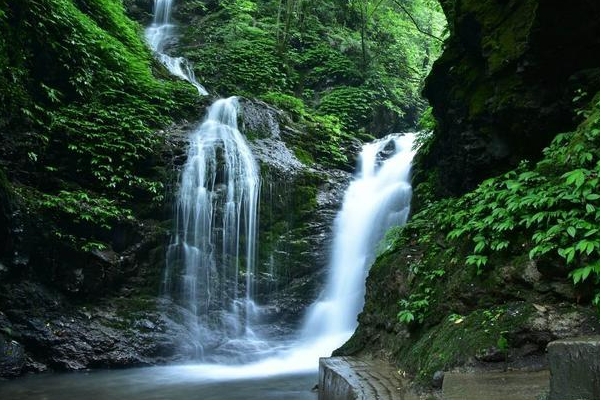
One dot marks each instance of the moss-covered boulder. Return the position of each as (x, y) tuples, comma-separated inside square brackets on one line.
[(504, 85)]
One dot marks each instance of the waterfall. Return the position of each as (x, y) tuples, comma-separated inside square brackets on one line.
[(377, 199), (216, 230), (215, 238), (159, 34)]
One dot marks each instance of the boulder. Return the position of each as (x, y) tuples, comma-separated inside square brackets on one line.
[(12, 357)]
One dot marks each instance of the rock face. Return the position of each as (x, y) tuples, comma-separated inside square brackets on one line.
[(5, 223), (43, 330), (575, 369), (297, 207), (505, 84), (504, 304)]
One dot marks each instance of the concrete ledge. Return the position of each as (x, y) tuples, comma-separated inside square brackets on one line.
[(349, 378), (575, 369)]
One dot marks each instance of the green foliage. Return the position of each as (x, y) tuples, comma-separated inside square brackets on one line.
[(353, 106), (77, 75), (550, 211), (83, 207), (80, 219), (427, 121), (312, 50), (293, 105)]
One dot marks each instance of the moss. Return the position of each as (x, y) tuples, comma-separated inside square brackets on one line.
[(305, 157), (127, 307), (288, 205), (458, 340), (478, 100)]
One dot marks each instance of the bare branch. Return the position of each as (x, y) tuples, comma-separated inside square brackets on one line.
[(415, 23)]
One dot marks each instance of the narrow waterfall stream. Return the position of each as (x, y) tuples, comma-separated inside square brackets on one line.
[(159, 34), (216, 227), (376, 200)]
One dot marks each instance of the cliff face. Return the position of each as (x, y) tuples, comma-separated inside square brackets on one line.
[(456, 287), (504, 85)]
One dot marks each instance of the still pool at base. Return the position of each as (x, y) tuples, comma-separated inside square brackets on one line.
[(158, 383)]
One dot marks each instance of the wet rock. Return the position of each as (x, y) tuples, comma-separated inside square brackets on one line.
[(139, 10), (12, 357), (298, 205), (438, 379), (119, 332), (489, 90), (575, 369), (491, 354)]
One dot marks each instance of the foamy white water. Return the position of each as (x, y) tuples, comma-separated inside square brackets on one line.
[(216, 227), (158, 36), (377, 199)]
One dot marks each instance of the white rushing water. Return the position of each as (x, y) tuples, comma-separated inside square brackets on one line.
[(215, 240), (377, 199), (159, 34), (216, 228)]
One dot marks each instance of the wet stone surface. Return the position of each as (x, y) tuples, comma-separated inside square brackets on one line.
[(350, 378), (512, 385), (575, 369)]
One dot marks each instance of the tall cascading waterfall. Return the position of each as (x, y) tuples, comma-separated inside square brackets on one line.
[(159, 34), (216, 231), (377, 199), (215, 237)]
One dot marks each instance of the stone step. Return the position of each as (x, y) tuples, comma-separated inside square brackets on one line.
[(350, 378), (512, 385)]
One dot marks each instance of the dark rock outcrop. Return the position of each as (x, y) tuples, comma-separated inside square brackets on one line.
[(42, 329), (505, 84), (298, 205)]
